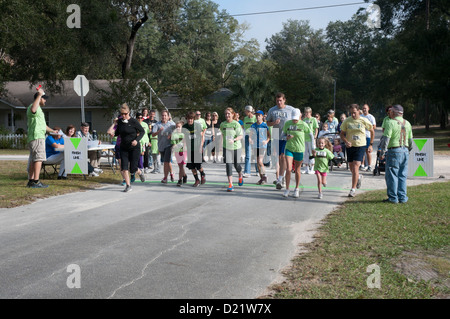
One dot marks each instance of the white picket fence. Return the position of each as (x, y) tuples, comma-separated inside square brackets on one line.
[(19, 141)]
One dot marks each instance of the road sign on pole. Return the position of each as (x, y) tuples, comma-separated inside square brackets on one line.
[(81, 87)]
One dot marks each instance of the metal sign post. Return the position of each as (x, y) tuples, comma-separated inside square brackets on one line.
[(81, 87)]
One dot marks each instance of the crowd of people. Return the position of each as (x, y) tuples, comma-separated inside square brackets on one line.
[(283, 138)]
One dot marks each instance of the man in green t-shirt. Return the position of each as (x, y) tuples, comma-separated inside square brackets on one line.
[(396, 144), (37, 128), (249, 119)]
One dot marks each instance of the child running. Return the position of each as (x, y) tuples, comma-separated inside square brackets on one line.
[(259, 137), (193, 131), (295, 131), (179, 149), (232, 135), (322, 155)]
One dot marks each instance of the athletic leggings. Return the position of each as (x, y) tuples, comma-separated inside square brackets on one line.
[(232, 157)]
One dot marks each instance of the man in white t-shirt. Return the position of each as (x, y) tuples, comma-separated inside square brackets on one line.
[(371, 118)]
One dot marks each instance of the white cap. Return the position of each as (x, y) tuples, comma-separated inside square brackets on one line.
[(249, 108), (296, 114)]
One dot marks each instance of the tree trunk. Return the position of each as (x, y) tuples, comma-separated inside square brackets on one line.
[(126, 65)]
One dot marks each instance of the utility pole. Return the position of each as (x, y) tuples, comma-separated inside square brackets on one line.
[(334, 96)]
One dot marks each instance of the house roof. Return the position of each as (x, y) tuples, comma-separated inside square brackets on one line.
[(20, 95)]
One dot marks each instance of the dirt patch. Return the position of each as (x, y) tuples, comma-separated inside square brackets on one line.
[(430, 266)]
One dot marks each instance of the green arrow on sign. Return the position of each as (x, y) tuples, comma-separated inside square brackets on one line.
[(75, 142), (420, 171), (420, 143), (76, 169)]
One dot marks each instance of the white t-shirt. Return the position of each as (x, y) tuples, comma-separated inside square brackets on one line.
[(372, 121)]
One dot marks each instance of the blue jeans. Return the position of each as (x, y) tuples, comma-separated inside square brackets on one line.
[(248, 156), (396, 174)]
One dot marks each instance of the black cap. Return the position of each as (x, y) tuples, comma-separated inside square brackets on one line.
[(45, 97)]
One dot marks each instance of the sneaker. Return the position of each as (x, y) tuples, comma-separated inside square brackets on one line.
[(127, 189), (184, 179), (98, 170), (153, 172), (352, 193), (259, 182), (279, 185), (197, 182), (286, 193), (241, 181), (203, 180), (296, 193), (275, 182), (324, 185), (230, 188), (94, 174), (62, 177), (39, 185), (320, 196), (164, 181), (142, 177), (303, 171), (30, 183), (245, 175), (146, 170), (358, 184), (133, 178), (311, 172), (180, 183), (264, 180), (369, 169), (171, 178)]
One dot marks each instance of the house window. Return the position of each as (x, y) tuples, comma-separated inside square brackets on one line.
[(88, 118), (47, 118), (11, 120)]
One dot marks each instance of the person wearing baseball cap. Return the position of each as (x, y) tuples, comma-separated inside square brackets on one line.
[(259, 137), (295, 131), (37, 128), (395, 144), (249, 119)]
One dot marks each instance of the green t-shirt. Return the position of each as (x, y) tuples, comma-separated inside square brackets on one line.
[(36, 124), (393, 128), (231, 130), (202, 122), (145, 140), (355, 130), (248, 121), (298, 130), (177, 141), (321, 159), (312, 123)]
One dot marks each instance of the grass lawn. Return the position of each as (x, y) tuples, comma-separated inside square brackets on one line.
[(14, 178), (363, 232)]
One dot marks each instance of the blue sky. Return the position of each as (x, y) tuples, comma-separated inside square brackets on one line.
[(265, 25)]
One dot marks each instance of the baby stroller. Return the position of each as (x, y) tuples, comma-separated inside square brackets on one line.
[(380, 165)]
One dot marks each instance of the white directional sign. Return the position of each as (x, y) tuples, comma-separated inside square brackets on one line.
[(81, 85), (421, 158), (75, 155)]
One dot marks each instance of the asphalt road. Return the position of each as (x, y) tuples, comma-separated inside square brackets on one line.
[(160, 241)]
